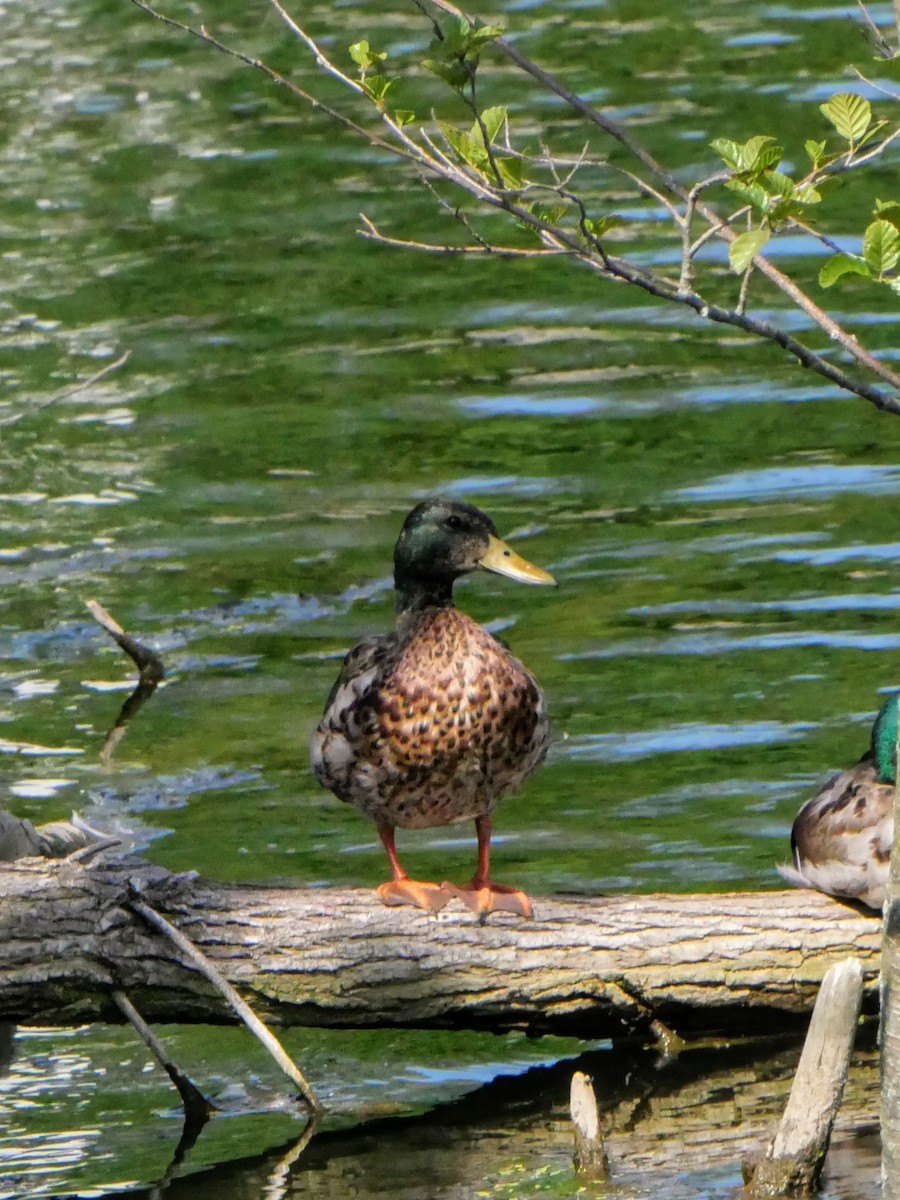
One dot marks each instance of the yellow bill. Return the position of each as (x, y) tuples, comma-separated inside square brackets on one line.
[(503, 561)]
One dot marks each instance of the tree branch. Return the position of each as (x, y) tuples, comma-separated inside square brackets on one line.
[(846, 340), (587, 249)]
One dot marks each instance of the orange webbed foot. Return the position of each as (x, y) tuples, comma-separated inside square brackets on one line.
[(429, 896), (483, 897)]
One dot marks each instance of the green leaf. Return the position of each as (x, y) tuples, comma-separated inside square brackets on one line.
[(359, 52), (881, 246), (404, 116), (744, 249), (750, 193), (599, 225), (777, 184), (510, 172), (758, 153), (842, 264), (493, 119), (815, 150), (364, 56), (728, 151), (378, 86), (453, 72), (485, 34), (550, 214), (888, 210), (872, 132), (849, 113), (456, 36), (807, 194), (470, 149)]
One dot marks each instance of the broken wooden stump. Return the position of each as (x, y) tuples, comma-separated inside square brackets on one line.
[(793, 1161), (590, 1156)]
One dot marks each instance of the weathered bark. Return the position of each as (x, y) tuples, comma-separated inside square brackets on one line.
[(19, 838), (792, 1164), (337, 957)]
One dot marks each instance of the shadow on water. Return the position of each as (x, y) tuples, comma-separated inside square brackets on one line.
[(682, 1124)]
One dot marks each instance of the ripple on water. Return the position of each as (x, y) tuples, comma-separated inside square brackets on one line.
[(720, 641), (693, 735), (864, 602), (817, 480)]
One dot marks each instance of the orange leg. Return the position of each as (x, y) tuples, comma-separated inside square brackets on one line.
[(403, 890), (481, 895)]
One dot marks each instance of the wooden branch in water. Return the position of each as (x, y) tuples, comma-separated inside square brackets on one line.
[(197, 1108), (792, 1164), (590, 1156), (239, 1007), (337, 957), (148, 663)]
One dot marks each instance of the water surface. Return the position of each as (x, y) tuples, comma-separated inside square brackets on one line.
[(722, 526)]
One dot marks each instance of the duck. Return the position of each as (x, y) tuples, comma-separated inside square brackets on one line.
[(436, 721), (841, 838)]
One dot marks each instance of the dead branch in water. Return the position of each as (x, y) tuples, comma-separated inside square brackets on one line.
[(148, 663)]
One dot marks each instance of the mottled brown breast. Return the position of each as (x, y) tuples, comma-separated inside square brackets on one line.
[(448, 722)]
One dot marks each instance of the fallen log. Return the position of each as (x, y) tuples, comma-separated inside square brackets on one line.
[(597, 967)]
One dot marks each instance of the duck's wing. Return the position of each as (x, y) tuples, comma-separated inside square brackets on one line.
[(842, 837), (363, 664), (333, 746)]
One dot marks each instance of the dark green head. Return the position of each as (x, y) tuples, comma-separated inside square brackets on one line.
[(443, 539), (884, 739)]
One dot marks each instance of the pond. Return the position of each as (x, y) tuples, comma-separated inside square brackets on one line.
[(722, 525)]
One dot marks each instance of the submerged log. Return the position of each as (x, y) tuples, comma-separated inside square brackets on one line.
[(336, 957)]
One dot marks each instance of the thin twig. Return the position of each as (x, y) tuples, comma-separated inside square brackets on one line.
[(454, 211), (72, 390), (436, 162), (878, 87), (668, 180), (371, 232), (741, 306), (879, 41), (196, 1106), (713, 230), (201, 33), (256, 1026), (86, 853), (326, 65)]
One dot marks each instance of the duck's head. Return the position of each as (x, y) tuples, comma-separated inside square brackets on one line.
[(884, 739), (443, 539)]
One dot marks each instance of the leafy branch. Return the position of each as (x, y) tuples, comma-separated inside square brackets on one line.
[(545, 199)]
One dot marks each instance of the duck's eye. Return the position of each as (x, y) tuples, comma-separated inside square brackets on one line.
[(454, 522)]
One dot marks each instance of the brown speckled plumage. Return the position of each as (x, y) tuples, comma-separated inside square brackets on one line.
[(432, 727), (437, 721), (842, 837)]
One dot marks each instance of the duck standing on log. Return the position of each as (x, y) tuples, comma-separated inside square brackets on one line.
[(842, 837), (435, 722)]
